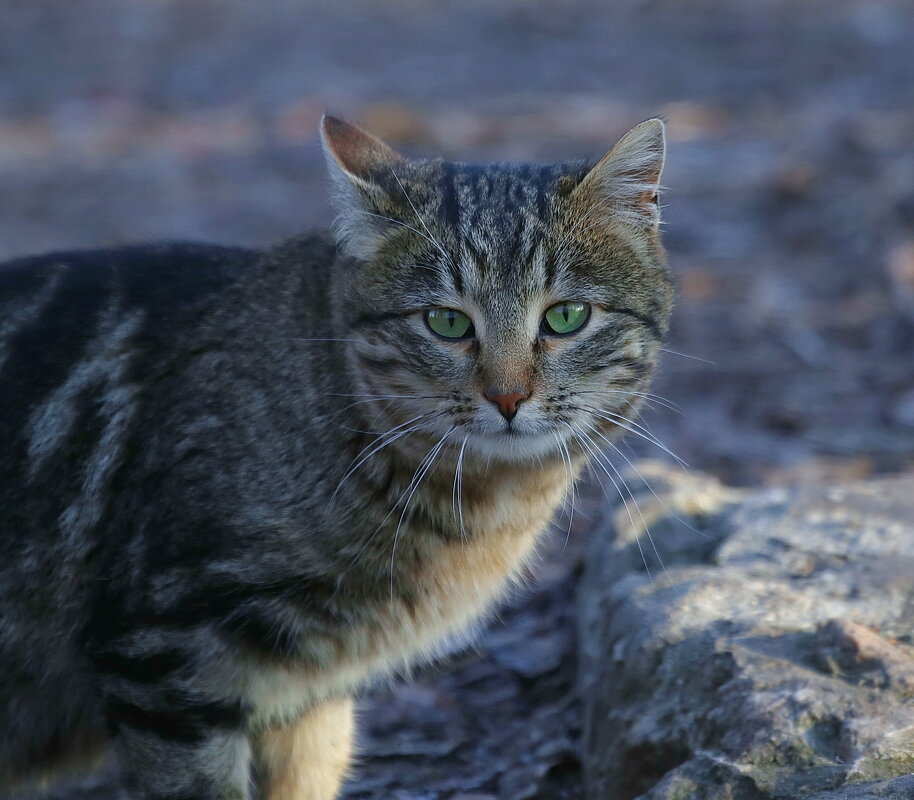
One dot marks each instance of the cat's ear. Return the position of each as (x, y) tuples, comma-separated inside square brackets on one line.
[(626, 181), (360, 167), (359, 156)]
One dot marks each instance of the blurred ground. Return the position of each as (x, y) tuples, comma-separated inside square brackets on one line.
[(790, 225)]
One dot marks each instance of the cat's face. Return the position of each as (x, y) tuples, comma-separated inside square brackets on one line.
[(507, 308)]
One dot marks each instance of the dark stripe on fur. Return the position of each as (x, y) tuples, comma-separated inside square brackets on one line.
[(420, 516), (384, 366), (149, 668), (450, 206), (255, 628), (649, 322), (249, 614), (190, 724), (450, 213)]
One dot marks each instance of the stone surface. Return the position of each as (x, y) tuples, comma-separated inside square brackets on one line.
[(772, 658)]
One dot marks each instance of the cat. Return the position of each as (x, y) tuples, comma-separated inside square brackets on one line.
[(236, 486)]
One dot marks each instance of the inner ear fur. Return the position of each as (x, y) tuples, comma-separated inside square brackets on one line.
[(363, 158), (626, 181)]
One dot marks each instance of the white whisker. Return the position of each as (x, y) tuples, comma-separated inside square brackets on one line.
[(389, 396), (569, 491), (376, 447), (635, 428), (595, 453), (408, 227), (423, 469), (383, 399), (457, 496), (631, 494), (649, 487), (686, 355), (648, 397)]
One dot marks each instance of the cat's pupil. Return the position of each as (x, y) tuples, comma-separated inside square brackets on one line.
[(566, 312)]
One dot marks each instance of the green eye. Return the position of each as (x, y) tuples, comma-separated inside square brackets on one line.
[(564, 318), (449, 323)]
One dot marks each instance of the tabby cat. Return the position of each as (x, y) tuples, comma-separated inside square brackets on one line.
[(236, 486)]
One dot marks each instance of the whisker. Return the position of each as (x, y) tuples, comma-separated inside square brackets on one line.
[(391, 511), (410, 228), (359, 430), (569, 491), (558, 441), (382, 399), (636, 429), (374, 398), (631, 494), (457, 495), (376, 448), (389, 396), (424, 466), (686, 355), (421, 419), (594, 451), (573, 495), (649, 397), (649, 487)]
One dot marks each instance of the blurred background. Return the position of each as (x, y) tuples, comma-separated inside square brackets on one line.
[(789, 221)]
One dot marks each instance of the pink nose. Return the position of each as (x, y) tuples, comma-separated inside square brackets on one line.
[(507, 403)]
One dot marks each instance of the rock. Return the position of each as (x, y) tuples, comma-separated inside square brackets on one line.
[(898, 789), (772, 658)]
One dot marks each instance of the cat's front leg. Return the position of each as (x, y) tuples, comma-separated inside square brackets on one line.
[(182, 750), (307, 759)]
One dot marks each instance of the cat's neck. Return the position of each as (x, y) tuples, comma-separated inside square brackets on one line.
[(475, 494)]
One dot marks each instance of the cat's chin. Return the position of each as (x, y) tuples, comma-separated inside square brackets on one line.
[(515, 446)]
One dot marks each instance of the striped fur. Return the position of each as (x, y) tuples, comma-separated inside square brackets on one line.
[(237, 486)]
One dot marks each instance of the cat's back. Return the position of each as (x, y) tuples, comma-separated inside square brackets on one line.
[(80, 334), (53, 305)]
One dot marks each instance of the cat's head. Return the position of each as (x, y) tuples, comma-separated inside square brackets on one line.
[(512, 307)]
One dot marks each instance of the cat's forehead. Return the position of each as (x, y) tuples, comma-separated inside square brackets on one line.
[(486, 196), (496, 217)]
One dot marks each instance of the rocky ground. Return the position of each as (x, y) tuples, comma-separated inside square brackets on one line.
[(773, 656), (790, 225)]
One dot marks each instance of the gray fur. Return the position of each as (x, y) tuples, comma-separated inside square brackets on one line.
[(16, 314), (238, 486)]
